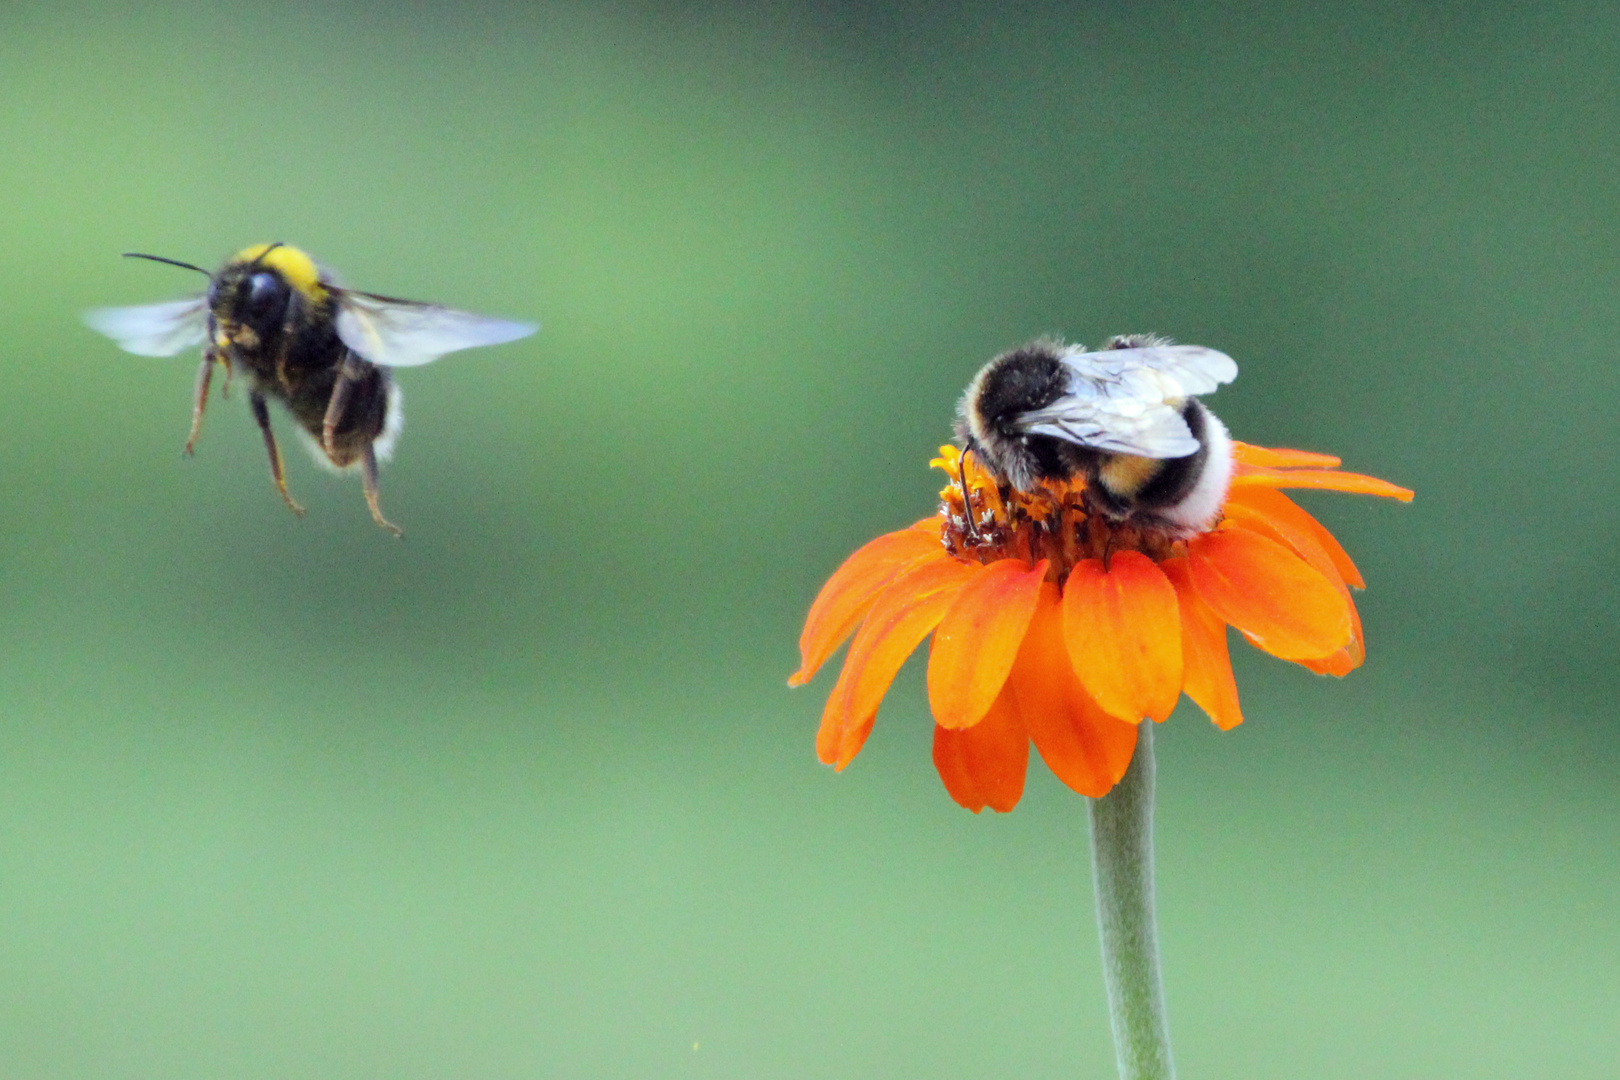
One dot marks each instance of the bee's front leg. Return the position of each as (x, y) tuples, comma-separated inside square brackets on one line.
[(346, 376), (261, 413), (199, 400)]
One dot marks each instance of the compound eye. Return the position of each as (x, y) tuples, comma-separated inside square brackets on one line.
[(263, 291)]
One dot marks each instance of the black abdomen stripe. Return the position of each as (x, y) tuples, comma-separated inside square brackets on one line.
[(1180, 475)]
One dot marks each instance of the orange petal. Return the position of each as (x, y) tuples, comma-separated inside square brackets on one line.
[(1286, 607), (1348, 658), (854, 587), (1122, 626), (984, 765), (978, 638), (1206, 665), (1338, 664), (1294, 526), (1291, 532), (1355, 483), (1085, 747), (903, 615), (1249, 454), (837, 745)]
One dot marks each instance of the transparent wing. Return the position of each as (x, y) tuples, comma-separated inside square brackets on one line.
[(1162, 371), (1128, 401), (153, 329), (403, 333)]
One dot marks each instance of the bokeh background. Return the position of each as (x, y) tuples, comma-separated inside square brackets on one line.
[(526, 795)]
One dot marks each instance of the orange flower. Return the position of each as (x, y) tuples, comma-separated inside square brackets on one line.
[(1065, 629)]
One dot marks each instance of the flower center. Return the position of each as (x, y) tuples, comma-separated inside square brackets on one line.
[(1056, 523)]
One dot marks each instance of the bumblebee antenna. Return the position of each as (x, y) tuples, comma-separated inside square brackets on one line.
[(171, 262), (967, 496)]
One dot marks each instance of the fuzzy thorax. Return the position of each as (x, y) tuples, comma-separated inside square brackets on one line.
[(295, 267)]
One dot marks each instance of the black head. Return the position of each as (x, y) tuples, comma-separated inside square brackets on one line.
[(250, 294), (1016, 382), (990, 416)]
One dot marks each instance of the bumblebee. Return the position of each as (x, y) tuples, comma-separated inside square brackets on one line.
[(322, 351), (1125, 418)]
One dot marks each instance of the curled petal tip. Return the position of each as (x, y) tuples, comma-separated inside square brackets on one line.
[(1321, 479)]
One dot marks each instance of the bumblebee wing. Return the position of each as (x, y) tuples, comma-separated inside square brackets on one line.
[(1128, 401), (1181, 370), (153, 329), (404, 333)]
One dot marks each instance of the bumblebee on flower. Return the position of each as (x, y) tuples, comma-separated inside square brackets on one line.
[(1098, 532)]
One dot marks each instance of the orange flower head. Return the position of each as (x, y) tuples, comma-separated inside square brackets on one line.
[(1064, 627)]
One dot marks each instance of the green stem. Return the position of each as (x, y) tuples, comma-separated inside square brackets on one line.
[(1122, 870)]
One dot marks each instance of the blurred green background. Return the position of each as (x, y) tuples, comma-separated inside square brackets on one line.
[(526, 795)]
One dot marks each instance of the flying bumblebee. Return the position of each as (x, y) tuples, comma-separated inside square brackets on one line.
[(1125, 418), (322, 351)]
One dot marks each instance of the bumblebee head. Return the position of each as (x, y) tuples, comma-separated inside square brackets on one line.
[(253, 289)]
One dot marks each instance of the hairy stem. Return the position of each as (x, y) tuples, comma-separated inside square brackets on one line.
[(1122, 869)]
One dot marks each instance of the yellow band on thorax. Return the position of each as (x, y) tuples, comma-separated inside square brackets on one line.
[(298, 269)]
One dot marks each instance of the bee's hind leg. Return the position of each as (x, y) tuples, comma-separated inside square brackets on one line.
[(346, 376), (368, 477), (261, 413)]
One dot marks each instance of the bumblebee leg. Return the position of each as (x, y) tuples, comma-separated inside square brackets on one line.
[(336, 403), (199, 400), (368, 477), (967, 495), (261, 413)]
